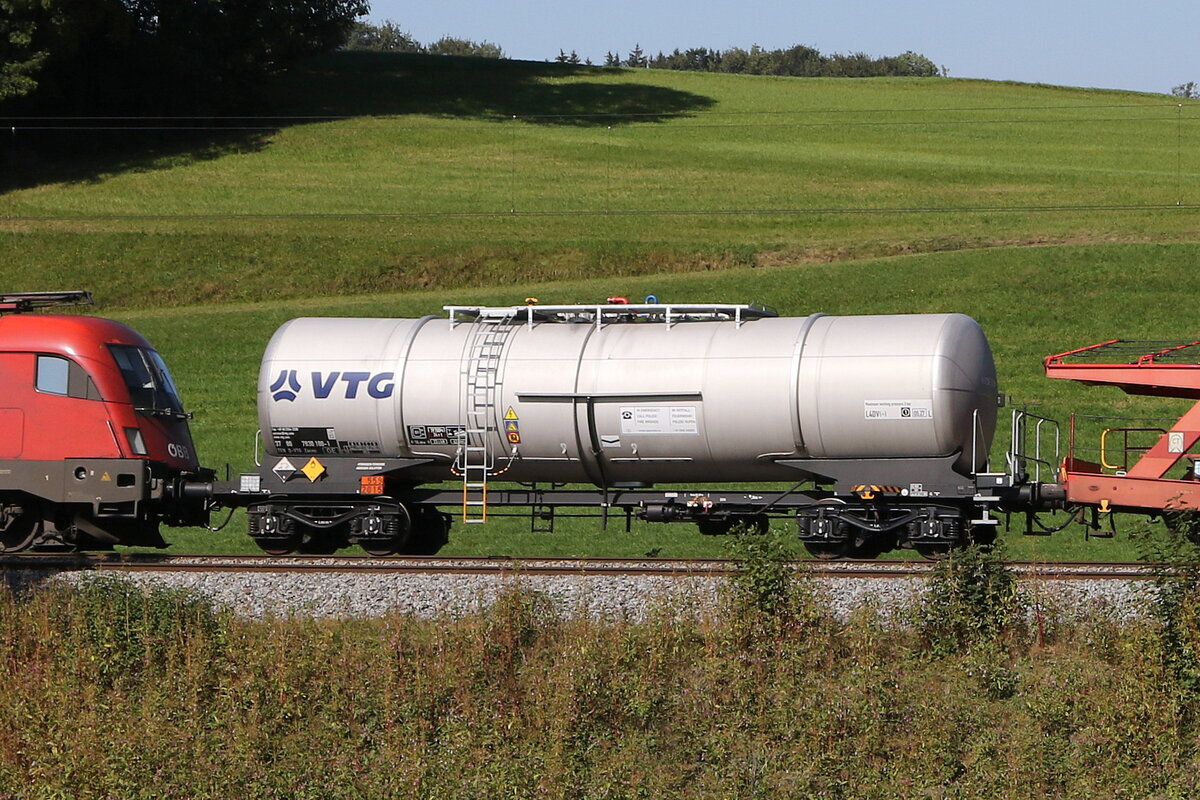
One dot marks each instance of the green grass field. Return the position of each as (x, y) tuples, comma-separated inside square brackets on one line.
[(1056, 217), (444, 173)]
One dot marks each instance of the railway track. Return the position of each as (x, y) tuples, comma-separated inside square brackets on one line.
[(433, 565)]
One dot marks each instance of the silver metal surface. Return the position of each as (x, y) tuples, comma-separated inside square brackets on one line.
[(632, 397)]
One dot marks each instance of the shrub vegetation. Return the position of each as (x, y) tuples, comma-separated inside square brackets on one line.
[(116, 693)]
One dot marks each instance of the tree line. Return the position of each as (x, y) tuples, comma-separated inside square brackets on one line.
[(388, 37), (77, 57), (797, 61)]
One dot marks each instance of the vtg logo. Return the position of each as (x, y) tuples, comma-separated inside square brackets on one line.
[(378, 385)]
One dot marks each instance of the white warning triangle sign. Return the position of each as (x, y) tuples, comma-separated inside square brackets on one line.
[(284, 469)]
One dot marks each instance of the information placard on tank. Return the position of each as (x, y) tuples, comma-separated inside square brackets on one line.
[(299, 441)]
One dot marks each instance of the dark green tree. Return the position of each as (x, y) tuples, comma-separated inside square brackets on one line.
[(387, 37), (453, 46), (20, 59), (158, 56)]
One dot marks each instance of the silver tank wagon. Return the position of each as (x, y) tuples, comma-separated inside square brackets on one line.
[(565, 394), (889, 418)]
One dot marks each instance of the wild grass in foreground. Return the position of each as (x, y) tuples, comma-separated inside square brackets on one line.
[(112, 693)]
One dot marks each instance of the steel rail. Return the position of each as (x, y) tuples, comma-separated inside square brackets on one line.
[(504, 565)]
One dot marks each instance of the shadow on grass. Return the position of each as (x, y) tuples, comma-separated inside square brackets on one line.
[(40, 150), (350, 84)]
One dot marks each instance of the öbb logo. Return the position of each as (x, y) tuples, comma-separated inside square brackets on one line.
[(379, 385)]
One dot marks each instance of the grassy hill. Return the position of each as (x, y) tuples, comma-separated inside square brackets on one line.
[(371, 172), (378, 184)]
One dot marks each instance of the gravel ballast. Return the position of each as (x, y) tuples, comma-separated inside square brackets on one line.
[(339, 595)]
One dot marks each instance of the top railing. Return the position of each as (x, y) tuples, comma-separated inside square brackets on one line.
[(613, 313), (1157, 368), (1131, 352), (27, 301)]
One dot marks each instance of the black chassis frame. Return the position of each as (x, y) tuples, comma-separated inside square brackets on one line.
[(921, 501)]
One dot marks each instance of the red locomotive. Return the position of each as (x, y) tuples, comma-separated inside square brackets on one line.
[(94, 442)]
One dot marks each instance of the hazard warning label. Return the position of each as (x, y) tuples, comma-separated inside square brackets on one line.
[(512, 426)]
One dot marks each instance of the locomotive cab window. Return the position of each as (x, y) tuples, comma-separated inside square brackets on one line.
[(62, 376), (151, 387)]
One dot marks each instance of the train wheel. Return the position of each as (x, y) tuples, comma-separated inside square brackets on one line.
[(381, 549), (934, 552), (274, 533), (384, 535), (279, 547), (828, 551), (20, 531), (826, 539)]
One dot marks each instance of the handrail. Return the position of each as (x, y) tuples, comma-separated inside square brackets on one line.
[(1017, 456), (1125, 448)]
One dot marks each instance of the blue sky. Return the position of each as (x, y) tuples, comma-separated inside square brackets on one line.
[(1145, 46)]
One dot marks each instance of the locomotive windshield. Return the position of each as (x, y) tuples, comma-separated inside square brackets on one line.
[(150, 384)]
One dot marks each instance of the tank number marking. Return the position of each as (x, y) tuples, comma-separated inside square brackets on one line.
[(659, 420), (434, 434), (898, 409), (306, 441)]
